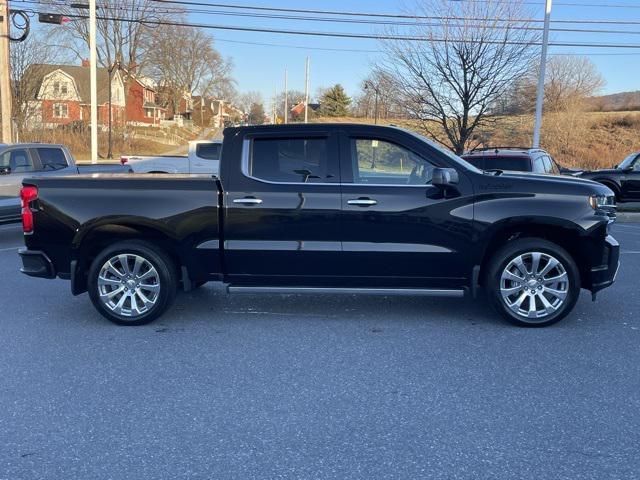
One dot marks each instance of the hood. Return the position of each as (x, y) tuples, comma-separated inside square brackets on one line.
[(541, 183)]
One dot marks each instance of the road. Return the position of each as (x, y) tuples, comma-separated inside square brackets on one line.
[(327, 387)]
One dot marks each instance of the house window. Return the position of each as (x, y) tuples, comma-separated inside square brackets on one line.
[(148, 112), (60, 110), (60, 87)]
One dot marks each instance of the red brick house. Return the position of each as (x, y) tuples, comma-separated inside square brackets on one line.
[(141, 103), (64, 96)]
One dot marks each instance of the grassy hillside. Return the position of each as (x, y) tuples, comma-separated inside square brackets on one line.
[(579, 139)]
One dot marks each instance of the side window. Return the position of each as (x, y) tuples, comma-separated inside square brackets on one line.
[(208, 151), (554, 166), (377, 162), (289, 160), (636, 165), (547, 164), (52, 158), (17, 161), (538, 165)]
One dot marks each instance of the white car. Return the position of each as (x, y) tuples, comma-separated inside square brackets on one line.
[(203, 157)]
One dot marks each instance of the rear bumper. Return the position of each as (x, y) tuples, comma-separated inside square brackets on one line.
[(36, 264), (604, 275)]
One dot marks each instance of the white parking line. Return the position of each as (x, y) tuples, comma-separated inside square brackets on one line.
[(623, 252), (9, 249)]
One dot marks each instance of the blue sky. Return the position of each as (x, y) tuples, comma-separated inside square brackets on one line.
[(261, 67)]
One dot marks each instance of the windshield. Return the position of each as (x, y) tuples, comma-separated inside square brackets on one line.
[(460, 161), (627, 162)]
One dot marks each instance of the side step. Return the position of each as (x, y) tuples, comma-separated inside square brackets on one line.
[(425, 292)]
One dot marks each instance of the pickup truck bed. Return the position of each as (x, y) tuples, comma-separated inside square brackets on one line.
[(322, 207)]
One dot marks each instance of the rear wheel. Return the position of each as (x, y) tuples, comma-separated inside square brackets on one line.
[(132, 283), (533, 282)]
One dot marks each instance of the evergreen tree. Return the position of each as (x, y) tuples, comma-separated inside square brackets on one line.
[(335, 102), (256, 114)]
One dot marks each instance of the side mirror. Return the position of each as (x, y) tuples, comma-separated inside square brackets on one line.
[(445, 177), (5, 170)]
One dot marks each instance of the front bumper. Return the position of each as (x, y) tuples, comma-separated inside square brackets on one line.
[(35, 263), (604, 275)]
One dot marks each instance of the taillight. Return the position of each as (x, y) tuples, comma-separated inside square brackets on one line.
[(123, 160), (28, 194)]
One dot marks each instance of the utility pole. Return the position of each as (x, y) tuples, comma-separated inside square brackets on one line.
[(93, 60), (306, 92), (5, 74), (543, 66), (286, 98), (110, 141)]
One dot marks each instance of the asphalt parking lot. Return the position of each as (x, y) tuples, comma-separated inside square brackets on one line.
[(244, 387)]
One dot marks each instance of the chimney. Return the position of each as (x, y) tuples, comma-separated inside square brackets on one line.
[(85, 63)]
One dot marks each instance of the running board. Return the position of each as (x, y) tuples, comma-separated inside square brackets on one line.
[(425, 292)]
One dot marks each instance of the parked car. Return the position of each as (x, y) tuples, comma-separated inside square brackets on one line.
[(324, 208), (203, 157), (623, 179), (517, 159), (26, 159)]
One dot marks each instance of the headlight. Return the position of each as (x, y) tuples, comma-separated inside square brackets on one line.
[(598, 202)]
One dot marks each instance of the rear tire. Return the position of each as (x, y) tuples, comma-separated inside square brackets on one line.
[(533, 282), (132, 283)]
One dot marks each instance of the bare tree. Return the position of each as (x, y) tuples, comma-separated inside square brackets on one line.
[(245, 100), (121, 28), (450, 80), (184, 60), (364, 105), (570, 82)]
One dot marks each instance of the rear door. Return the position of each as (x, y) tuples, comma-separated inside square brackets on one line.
[(15, 164), (206, 158), (397, 228), (282, 208)]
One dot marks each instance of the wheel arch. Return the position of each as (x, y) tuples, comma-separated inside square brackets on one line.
[(567, 235), (90, 241)]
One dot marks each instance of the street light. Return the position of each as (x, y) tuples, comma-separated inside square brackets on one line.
[(368, 84)]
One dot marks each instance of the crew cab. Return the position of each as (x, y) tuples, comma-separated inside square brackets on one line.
[(324, 208), (622, 179), (203, 157), (20, 160)]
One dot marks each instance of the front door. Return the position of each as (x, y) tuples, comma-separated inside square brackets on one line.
[(282, 211), (631, 182), (398, 229)]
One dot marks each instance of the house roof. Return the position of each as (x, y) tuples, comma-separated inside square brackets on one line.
[(81, 76)]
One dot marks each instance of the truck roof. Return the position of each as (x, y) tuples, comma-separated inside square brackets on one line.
[(307, 126)]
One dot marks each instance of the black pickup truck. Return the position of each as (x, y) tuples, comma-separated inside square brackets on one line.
[(324, 208), (622, 179)]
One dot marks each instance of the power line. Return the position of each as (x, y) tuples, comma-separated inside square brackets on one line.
[(351, 35), (342, 20)]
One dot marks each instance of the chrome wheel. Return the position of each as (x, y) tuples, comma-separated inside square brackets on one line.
[(128, 285), (534, 285)]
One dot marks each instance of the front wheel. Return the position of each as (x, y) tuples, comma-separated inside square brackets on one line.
[(533, 282), (132, 283)]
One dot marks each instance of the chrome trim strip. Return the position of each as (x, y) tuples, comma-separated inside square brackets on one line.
[(282, 245), (393, 247), (362, 202), (213, 244), (427, 292), (248, 201)]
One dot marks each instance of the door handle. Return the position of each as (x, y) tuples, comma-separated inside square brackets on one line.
[(362, 202), (248, 201)]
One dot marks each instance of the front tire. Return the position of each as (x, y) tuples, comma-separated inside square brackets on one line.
[(533, 282), (132, 283)]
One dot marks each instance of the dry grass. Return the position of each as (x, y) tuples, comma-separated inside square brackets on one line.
[(587, 140)]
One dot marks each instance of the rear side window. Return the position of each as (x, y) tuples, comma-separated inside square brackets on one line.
[(208, 151), (52, 158), (477, 161), (538, 165), (289, 160), (517, 164), (16, 161)]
